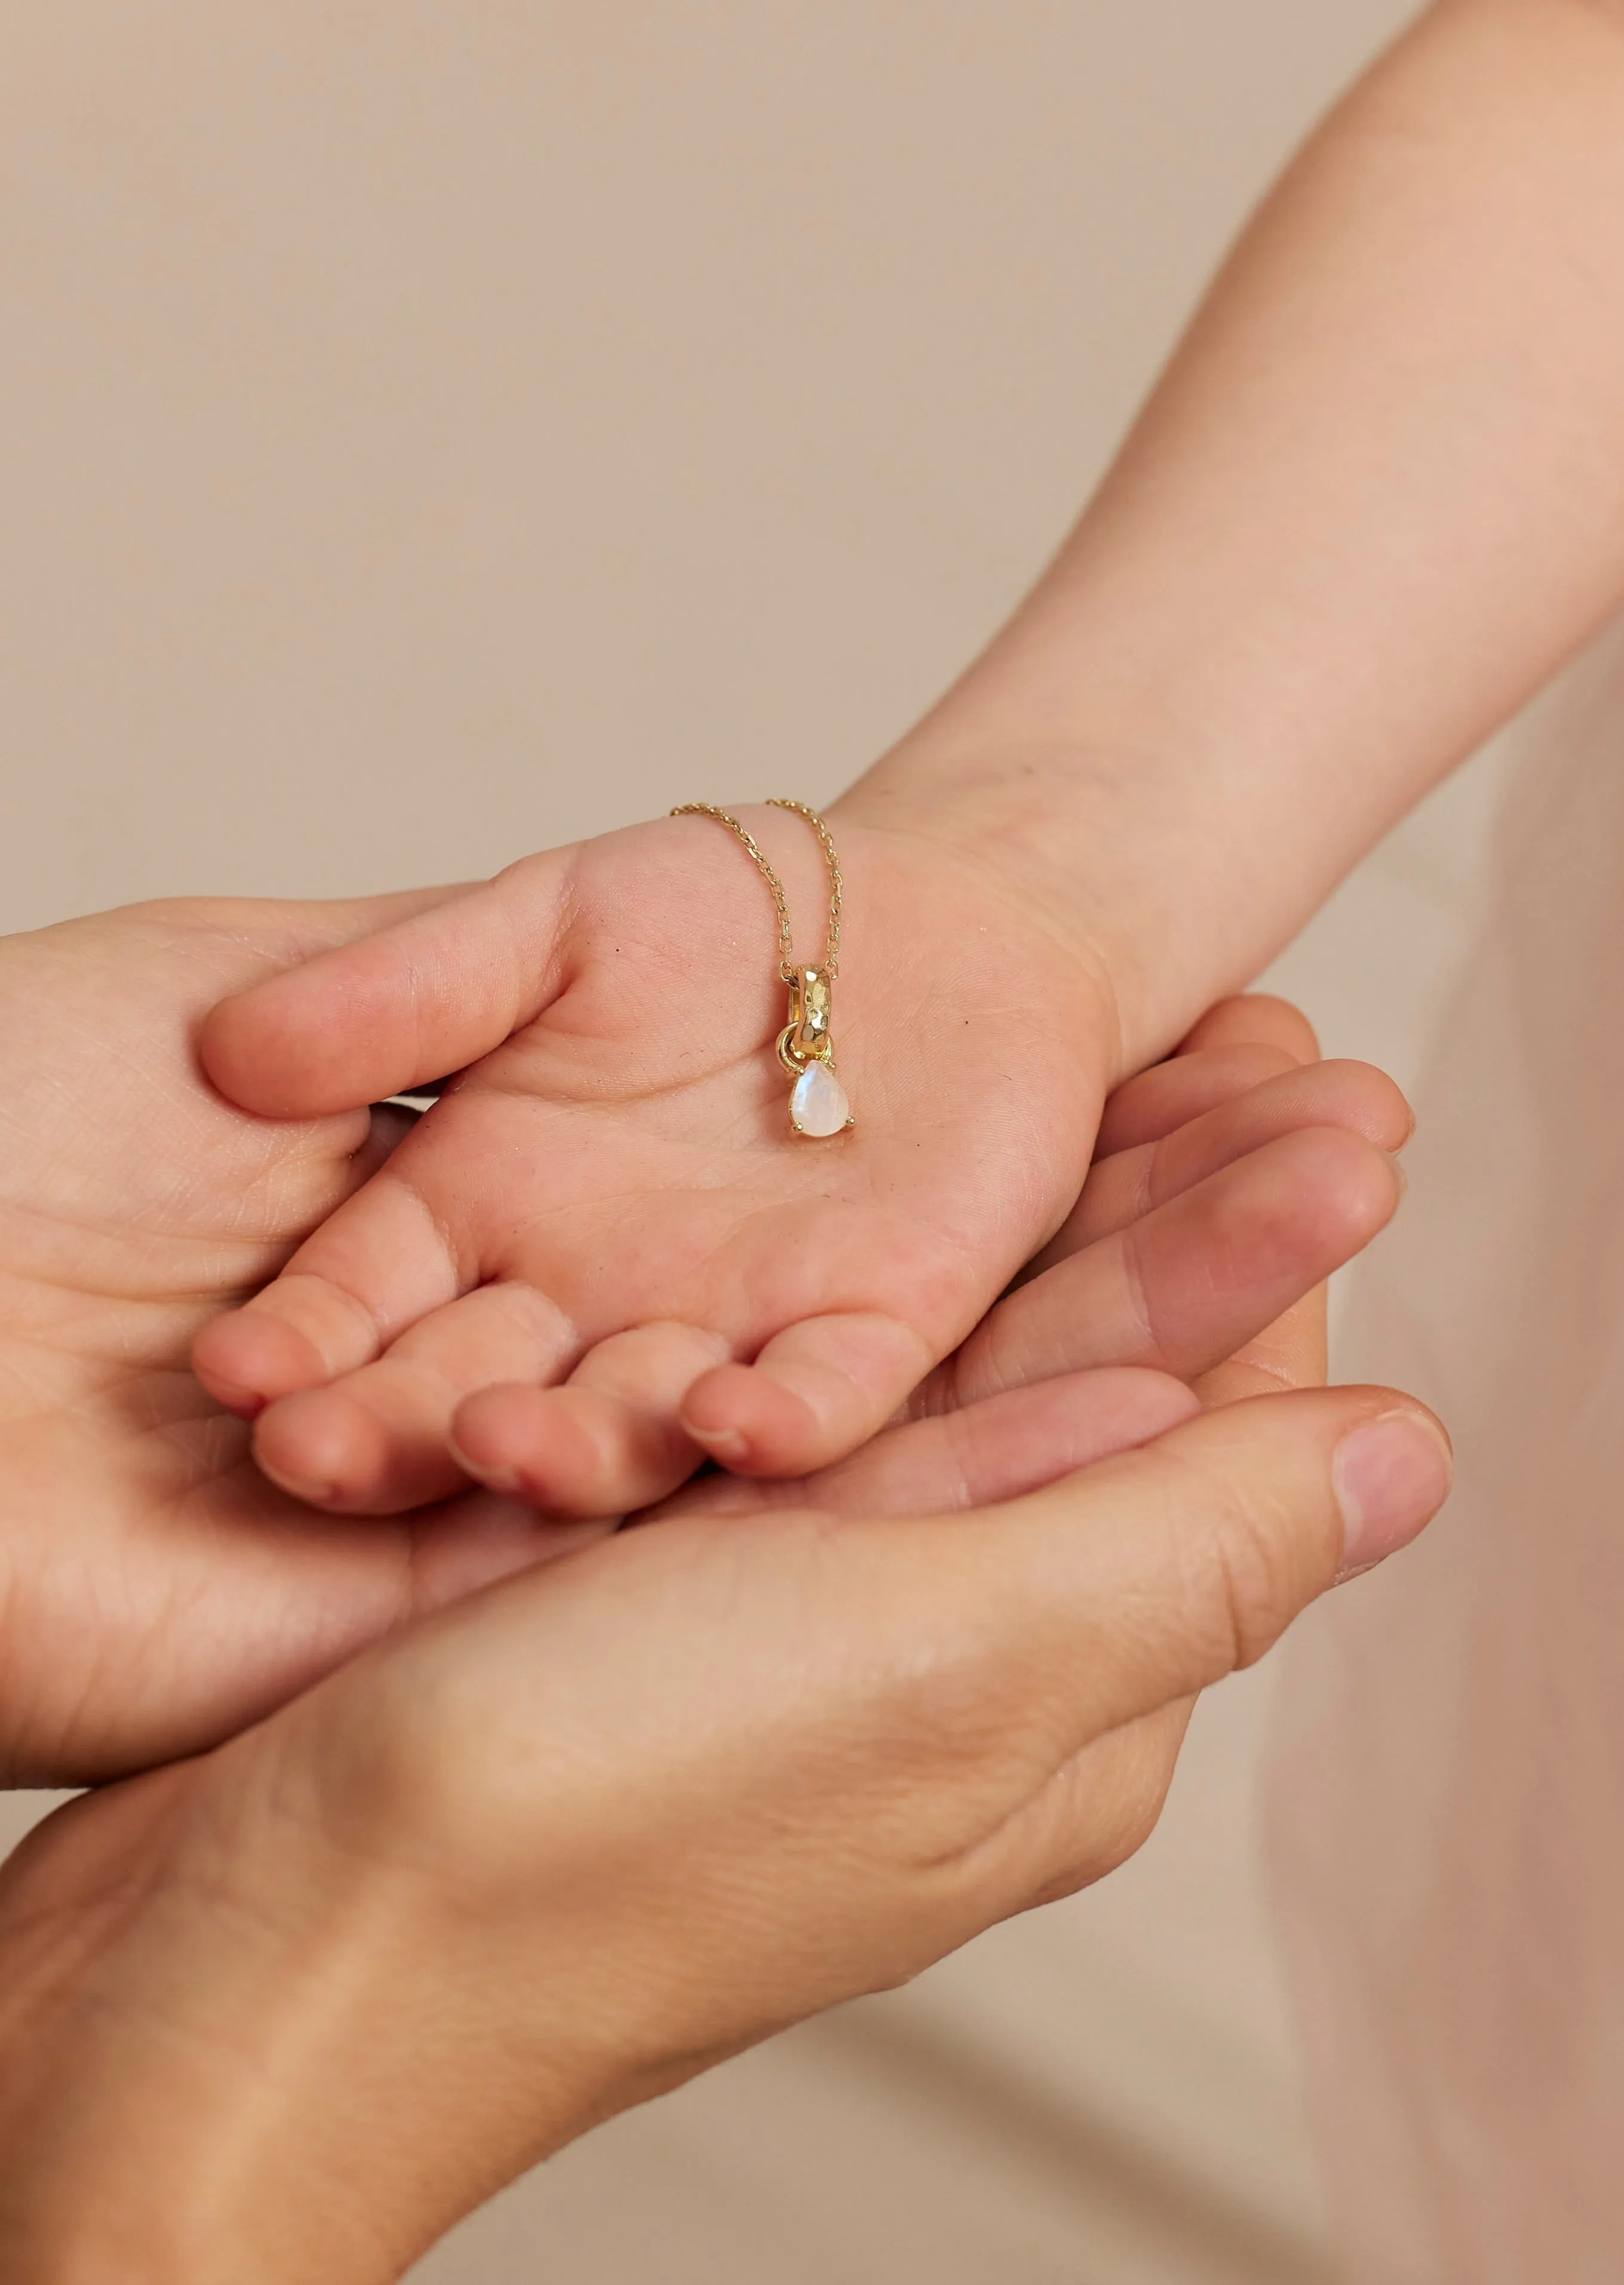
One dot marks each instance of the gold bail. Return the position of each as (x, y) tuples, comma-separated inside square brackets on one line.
[(805, 1036), (810, 997)]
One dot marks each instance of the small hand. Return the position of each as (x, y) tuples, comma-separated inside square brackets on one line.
[(611, 1206), (612, 1198)]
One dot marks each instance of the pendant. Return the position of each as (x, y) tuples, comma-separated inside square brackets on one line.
[(819, 1105)]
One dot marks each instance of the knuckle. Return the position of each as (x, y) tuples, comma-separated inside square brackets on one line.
[(1252, 1569), (1101, 1807)]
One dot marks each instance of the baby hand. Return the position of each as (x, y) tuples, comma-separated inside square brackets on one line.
[(609, 1203)]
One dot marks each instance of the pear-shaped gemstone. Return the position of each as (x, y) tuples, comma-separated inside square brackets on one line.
[(818, 1102)]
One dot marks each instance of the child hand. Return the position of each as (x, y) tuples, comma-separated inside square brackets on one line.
[(610, 1203)]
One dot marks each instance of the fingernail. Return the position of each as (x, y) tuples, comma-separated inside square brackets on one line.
[(726, 1446), (1391, 1477)]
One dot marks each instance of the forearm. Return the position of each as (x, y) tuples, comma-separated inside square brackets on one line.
[(192, 2014), (1374, 501)]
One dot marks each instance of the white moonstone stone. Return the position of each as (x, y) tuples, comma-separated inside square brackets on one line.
[(818, 1102)]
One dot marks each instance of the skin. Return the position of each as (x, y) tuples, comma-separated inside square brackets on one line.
[(510, 1871), (157, 1592), (1377, 499), (1180, 1243), (611, 1198), (291, 2009)]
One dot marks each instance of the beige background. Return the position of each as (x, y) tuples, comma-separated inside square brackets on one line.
[(430, 432)]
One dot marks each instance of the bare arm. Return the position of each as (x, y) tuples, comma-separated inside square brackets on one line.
[(1375, 500)]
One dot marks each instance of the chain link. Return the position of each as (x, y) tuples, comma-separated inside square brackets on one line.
[(785, 945)]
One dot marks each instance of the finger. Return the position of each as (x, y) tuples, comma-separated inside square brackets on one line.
[(1122, 1188), (1235, 1045), (373, 1268), (995, 1450), (1254, 1017), (814, 1393), (286, 929), (1292, 1352), (1170, 1095), (424, 995), (1185, 1286), (607, 1441), (1109, 1596), (377, 1441), (1288, 1353)]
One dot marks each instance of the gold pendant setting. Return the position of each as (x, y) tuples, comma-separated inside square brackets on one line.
[(819, 1105)]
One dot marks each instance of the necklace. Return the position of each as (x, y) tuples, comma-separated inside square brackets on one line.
[(818, 1103)]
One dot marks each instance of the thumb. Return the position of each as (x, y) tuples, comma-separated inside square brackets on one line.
[(1148, 1577), (430, 993)]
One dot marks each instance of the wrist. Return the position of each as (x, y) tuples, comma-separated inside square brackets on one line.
[(173, 2023), (1092, 837), (234, 2043)]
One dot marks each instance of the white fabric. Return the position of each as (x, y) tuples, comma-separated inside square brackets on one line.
[(1449, 1816)]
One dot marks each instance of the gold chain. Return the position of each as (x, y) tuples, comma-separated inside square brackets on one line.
[(819, 1105), (786, 945)]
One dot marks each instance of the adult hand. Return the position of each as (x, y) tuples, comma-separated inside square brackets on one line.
[(290, 2009), (259, 1918), (157, 1593)]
